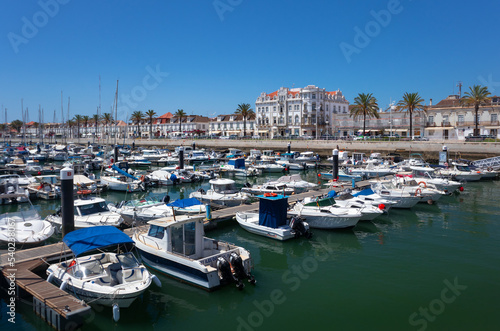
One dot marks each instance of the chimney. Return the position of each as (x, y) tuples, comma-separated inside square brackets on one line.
[(430, 102)]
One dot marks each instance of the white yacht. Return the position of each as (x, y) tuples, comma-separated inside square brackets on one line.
[(326, 216), (402, 198), (427, 176), (223, 193), (177, 247), (141, 210), (461, 172)]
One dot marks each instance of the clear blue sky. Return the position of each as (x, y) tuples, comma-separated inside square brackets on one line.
[(208, 59)]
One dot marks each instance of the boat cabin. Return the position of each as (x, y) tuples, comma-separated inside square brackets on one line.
[(223, 186)]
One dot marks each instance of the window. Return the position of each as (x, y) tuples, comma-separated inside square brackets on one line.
[(274, 108), (267, 109), (430, 119), (156, 231), (290, 107), (314, 96), (460, 119), (494, 117), (296, 119), (334, 109), (274, 119), (289, 119)]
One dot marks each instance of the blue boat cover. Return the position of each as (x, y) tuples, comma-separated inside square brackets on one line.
[(237, 163), (183, 203), (367, 191), (87, 239), (332, 194), (124, 173), (272, 211)]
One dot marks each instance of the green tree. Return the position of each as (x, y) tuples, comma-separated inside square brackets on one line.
[(107, 118), (411, 102), (96, 119), (246, 112), (150, 113), (78, 119), (16, 125), (477, 96), (180, 114), (137, 117), (365, 105)]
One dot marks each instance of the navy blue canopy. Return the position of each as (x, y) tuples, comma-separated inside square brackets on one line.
[(272, 211), (183, 203), (237, 163), (87, 239)]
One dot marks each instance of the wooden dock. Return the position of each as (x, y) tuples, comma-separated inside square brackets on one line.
[(58, 308)]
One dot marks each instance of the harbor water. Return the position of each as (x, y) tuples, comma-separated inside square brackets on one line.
[(433, 267)]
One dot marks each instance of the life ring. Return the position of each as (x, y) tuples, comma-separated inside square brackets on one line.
[(84, 192), (418, 191), (422, 182), (270, 194), (142, 178)]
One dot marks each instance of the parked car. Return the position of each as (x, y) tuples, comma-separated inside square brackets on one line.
[(224, 137), (233, 136), (256, 136), (307, 137)]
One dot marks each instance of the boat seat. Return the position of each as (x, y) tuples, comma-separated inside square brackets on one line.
[(114, 272)]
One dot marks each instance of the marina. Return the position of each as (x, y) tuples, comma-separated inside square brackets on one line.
[(367, 259)]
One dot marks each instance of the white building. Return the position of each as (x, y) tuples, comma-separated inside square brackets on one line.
[(298, 111), (226, 125)]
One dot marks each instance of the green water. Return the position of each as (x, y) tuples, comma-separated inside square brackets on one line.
[(433, 267)]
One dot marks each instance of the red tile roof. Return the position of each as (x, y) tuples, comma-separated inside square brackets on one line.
[(167, 115)]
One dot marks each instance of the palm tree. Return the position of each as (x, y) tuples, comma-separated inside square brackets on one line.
[(78, 119), (71, 123), (96, 119), (180, 114), (137, 117), (86, 120), (365, 105), (411, 102), (477, 96), (247, 113), (107, 118), (151, 113)]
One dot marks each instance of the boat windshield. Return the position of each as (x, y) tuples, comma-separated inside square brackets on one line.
[(94, 208), (127, 260), (85, 269), (225, 188), (463, 168)]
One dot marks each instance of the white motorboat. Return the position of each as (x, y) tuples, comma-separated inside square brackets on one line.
[(163, 177), (237, 167), (141, 210), (402, 198), (367, 196), (138, 161), (427, 175), (370, 170), (296, 182), (269, 166), (276, 187), (461, 172), (24, 228), (368, 211), (11, 191), (45, 187), (154, 154), (188, 206), (122, 183), (197, 156), (88, 212), (223, 193), (107, 279), (306, 157), (429, 192), (177, 247), (271, 220), (326, 216)]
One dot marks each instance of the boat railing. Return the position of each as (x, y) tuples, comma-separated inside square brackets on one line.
[(212, 259), (142, 238)]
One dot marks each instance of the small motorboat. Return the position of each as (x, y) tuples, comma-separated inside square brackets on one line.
[(141, 210), (271, 220), (188, 206), (223, 193), (276, 187), (108, 279), (24, 228), (177, 247)]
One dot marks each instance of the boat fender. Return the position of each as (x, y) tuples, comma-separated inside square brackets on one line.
[(63, 285), (50, 277), (116, 312), (156, 280)]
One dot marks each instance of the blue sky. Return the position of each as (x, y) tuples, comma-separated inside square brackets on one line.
[(207, 56)]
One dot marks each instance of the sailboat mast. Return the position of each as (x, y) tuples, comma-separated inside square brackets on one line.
[(116, 111)]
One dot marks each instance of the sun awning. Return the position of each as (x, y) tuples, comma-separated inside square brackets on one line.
[(233, 131), (214, 131), (440, 128), (492, 127), (263, 131), (87, 239)]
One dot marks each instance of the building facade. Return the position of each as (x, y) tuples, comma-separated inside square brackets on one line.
[(233, 124), (298, 111)]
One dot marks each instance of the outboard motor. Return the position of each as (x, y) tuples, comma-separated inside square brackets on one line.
[(202, 191), (224, 270), (239, 272), (166, 199), (298, 226), (247, 184)]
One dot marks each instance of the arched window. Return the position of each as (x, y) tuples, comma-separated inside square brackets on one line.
[(296, 119)]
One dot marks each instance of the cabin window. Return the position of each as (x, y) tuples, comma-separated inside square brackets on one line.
[(156, 231), (177, 238)]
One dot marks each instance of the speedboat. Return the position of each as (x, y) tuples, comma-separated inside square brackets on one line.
[(88, 212), (368, 211), (402, 198), (296, 183), (223, 193), (197, 156), (187, 206), (269, 166), (108, 279), (461, 172), (11, 191), (306, 157), (24, 228), (429, 192), (328, 216), (45, 187), (121, 180), (163, 177), (237, 167), (427, 175), (141, 210), (177, 247), (278, 188), (271, 220)]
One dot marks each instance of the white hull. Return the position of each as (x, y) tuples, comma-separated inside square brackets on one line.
[(118, 185), (250, 222), (322, 220)]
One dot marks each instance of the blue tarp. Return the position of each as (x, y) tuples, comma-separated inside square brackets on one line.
[(272, 211), (87, 239), (120, 171), (367, 191), (237, 163), (183, 203), (332, 194)]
